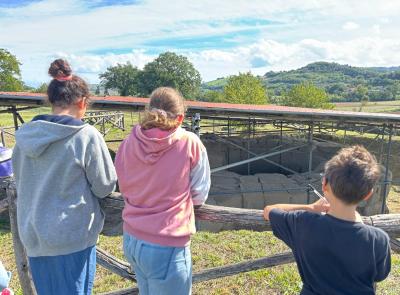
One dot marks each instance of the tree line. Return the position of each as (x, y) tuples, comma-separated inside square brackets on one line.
[(340, 82), (171, 69)]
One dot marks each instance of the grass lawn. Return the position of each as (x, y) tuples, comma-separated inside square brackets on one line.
[(210, 250)]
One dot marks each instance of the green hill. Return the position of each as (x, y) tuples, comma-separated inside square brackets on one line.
[(341, 82)]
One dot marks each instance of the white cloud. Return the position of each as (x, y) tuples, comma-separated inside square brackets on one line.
[(376, 29), (349, 26), (94, 64), (42, 31), (269, 54)]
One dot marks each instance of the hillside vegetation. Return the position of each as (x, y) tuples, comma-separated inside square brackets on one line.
[(341, 82)]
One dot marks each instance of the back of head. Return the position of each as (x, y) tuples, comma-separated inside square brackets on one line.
[(65, 89), (166, 104), (352, 174)]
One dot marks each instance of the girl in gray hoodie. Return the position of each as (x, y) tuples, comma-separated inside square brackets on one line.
[(62, 167)]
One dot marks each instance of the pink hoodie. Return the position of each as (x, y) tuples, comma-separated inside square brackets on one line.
[(161, 175)]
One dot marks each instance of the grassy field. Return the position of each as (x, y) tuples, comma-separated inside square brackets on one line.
[(371, 107), (217, 249)]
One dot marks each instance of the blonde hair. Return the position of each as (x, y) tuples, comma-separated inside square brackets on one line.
[(165, 105)]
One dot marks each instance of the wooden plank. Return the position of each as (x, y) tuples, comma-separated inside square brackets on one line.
[(3, 205), (228, 270), (241, 218), (21, 258), (246, 266), (114, 264), (395, 245)]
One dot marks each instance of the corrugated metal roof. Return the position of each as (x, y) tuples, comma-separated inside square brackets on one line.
[(224, 109)]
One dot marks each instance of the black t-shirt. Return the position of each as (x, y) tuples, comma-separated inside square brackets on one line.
[(333, 256)]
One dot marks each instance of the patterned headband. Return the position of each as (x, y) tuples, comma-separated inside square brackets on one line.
[(163, 113), (62, 78)]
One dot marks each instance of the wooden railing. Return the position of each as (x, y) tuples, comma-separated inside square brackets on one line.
[(241, 218)]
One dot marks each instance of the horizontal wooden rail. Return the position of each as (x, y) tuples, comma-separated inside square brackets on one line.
[(228, 270), (251, 218), (123, 269), (114, 264), (395, 245)]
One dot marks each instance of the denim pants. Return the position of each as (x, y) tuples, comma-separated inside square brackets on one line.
[(160, 270), (71, 274)]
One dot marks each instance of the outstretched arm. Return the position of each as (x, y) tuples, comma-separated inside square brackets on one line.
[(318, 207)]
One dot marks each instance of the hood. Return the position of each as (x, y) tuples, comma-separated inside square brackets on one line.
[(34, 137), (148, 148)]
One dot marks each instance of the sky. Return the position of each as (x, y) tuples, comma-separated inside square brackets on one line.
[(220, 38)]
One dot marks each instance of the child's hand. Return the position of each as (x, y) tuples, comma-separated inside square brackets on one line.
[(320, 206)]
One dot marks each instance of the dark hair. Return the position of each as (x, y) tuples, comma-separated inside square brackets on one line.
[(65, 89), (166, 104), (352, 174)]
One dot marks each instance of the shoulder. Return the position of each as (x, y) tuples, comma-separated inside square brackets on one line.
[(192, 139), (379, 236), (89, 132)]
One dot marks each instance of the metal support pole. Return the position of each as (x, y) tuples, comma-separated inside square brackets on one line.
[(3, 142), (15, 117), (310, 144), (385, 183), (213, 125), (196, 124), (248, 146), (254, 154), (256, 158), (229, 127), (280, 141), (382, 144)]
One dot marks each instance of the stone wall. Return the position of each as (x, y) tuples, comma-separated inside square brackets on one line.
[(267, 183)]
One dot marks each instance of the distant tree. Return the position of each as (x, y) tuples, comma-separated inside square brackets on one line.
[(395, 89), (10, 74), (336, 88), (212, 96), (306, 95), (170, 69), (41, 89), (245, 89), (122, 77), (362, 93)]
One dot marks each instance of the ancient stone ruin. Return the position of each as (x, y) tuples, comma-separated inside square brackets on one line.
[(261, 183)]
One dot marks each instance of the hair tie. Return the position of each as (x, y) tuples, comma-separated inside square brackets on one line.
[(63, 78), (162, 113)]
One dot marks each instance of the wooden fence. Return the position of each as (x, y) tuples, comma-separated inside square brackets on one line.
[(241, 218)]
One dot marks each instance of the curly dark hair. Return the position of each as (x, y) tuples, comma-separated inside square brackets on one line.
[(65, 89)]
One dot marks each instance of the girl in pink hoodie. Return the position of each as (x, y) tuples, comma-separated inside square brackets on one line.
[(163, 170)]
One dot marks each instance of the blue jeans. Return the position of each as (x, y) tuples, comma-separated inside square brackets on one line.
[(160, 270), (71, 274)]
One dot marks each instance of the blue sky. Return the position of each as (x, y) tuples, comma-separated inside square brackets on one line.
[(219, 37)]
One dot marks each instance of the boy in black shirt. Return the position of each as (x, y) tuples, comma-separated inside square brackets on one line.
[(335, 252)]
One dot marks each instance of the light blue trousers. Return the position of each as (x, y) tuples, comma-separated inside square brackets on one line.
[(160, 270)]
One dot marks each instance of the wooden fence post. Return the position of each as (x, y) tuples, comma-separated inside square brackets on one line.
[(21, 259)]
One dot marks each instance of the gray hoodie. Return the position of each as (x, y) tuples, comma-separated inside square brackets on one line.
[(60, 173)]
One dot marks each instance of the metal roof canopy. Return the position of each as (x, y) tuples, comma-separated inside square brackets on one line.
[(217, 109)]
